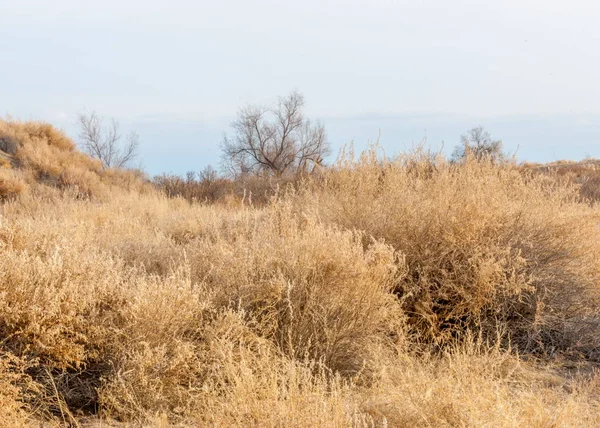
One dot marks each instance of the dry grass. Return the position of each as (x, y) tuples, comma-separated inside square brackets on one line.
[(11, 183), (379, 294), (585, 175), (486, 246)]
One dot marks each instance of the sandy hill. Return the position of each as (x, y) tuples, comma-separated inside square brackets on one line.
[(37, 155)]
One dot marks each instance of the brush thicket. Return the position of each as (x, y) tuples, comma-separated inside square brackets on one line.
[(380, 293)]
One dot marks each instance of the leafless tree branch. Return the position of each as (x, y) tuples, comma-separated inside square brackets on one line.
[(105, 142), (477, 143), (277, 141)]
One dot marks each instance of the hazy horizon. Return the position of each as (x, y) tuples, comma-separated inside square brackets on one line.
[(524, 70), (176, 147)]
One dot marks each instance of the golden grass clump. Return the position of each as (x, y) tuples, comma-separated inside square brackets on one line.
[(319, 308), (12, 183), (486, 246), (314, 291)]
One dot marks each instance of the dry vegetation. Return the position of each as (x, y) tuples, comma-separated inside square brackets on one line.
[(382, 292), (584, 174), (33, 153)]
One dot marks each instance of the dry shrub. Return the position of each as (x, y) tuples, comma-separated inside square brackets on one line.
[(228, 377), (251, 384), (54, 330), (268, 285), (208, 187), (54, 315), (590, 189), (16, 387), (312, 290), (133, 180), (486, 246), (157, 362), (203, 187), (585, 175), (12, 183)]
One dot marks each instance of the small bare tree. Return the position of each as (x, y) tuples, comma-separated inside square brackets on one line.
[(478, 143), (105, 142), (275, 141)]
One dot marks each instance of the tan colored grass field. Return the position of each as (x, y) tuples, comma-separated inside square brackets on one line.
[(382, 293)]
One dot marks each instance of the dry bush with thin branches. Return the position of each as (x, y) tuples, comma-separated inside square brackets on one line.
[(486, 246), (203, 187), (209, 187), (328, 302)]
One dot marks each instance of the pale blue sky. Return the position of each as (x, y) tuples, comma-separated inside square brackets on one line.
[(177, 71)]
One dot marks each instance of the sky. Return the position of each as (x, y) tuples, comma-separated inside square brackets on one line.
[(177, 71)]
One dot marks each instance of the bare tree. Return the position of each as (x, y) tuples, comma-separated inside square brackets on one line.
[(275, 141), (105, 142), (478, 143)]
